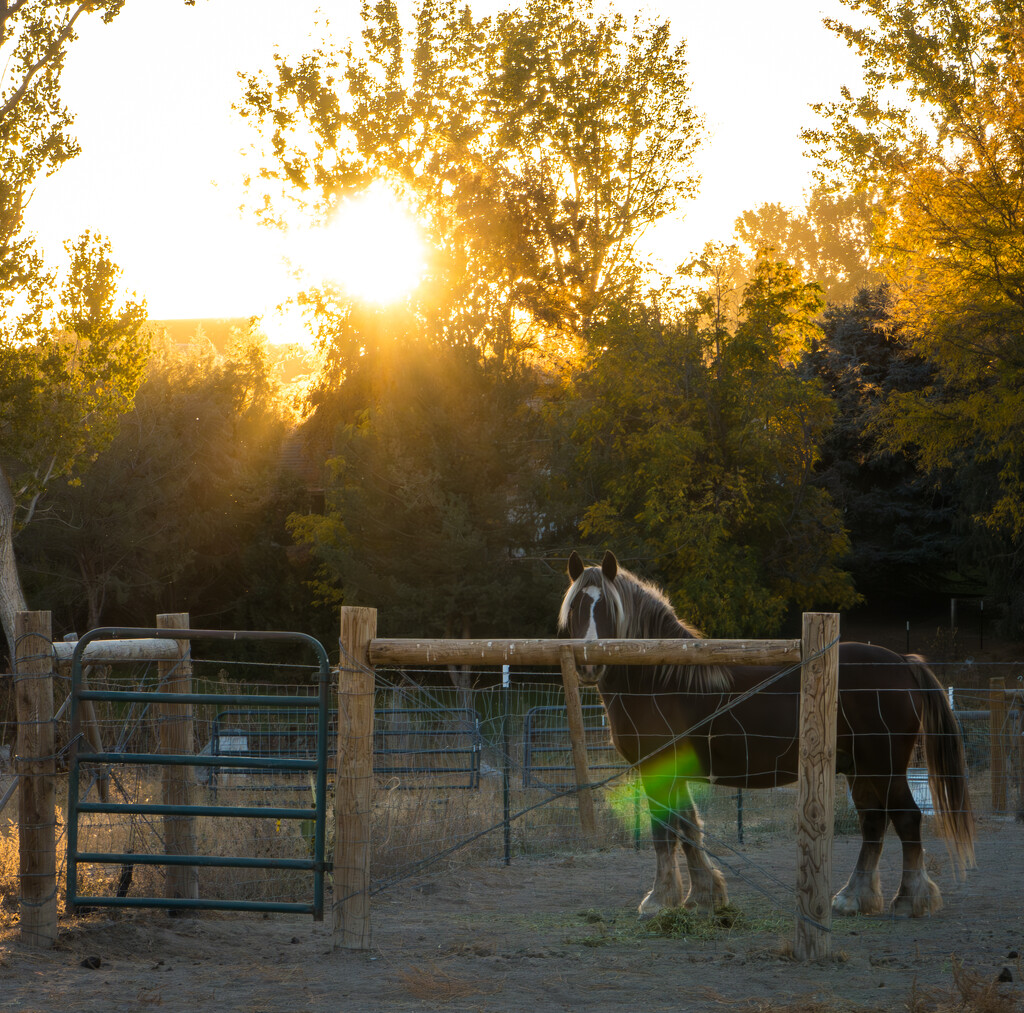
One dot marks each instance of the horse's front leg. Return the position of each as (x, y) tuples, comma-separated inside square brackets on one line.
[(707, 884), (667, 891), (674, 820)]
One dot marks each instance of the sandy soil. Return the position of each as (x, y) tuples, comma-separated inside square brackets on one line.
[(557, 933)]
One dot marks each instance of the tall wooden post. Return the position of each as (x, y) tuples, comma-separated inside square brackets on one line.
[(578, 740), (353, 792), (37, 765), (819, 682), (1018, 753), (997, 743), (177, 737)]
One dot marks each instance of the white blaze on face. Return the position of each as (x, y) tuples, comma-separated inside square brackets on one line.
[(589, 602), (594, 594)]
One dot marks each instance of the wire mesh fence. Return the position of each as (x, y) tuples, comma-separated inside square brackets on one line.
[(468, 773)]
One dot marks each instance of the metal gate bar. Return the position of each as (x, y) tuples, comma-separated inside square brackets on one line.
[(317, 864)]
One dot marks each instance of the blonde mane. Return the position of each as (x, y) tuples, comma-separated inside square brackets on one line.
[(642, 612)]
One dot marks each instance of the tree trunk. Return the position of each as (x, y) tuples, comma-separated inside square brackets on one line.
[(12, 598)]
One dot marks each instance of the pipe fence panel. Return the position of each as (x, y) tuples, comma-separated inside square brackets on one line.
[(151, 811), (429, 747)]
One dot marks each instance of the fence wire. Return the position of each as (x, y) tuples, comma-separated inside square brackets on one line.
[(468, 773)]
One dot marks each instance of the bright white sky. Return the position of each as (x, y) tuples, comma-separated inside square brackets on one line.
[(160, 172)]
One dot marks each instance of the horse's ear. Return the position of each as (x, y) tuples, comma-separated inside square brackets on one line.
[(575, 567), (609, 565)]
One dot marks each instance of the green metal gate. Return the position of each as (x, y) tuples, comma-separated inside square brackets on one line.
[(80, 754)]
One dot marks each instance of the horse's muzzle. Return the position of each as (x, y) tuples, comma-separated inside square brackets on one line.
[(590, 674)]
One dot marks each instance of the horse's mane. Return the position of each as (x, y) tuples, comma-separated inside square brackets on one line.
[(643, 612)]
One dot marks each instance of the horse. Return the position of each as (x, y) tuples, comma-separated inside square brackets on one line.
[(671, 724)]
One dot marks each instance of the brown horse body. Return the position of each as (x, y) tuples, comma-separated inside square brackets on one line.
[(677, 724)]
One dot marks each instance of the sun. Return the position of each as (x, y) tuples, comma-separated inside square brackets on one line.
[(372, 248)]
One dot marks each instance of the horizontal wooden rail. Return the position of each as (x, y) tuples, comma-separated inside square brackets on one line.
[(585, 652), (104, 652)]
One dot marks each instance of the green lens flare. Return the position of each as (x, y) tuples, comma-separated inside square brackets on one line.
[(629, 798)]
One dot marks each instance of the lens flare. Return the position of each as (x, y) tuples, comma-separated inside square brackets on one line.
[(629, 798)]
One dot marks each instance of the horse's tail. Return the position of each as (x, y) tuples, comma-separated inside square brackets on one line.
[(947, 766)]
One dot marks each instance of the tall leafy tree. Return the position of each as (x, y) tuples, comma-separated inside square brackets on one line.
[(904, 531), (937, 143), (40, 369), (61, 391), (171, 516), (535, 146), (430, 507), (695, 444)]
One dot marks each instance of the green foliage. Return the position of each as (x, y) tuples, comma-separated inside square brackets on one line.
[(61, 381), (696, 446), (937, 143), (430, 506), (62, 390), (178, 512)]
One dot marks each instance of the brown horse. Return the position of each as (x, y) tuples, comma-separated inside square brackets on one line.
[(670, 723)]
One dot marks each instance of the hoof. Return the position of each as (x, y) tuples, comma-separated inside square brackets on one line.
[(708, 893), (847, 904), (918, 898), (651, 906), (862, 895)]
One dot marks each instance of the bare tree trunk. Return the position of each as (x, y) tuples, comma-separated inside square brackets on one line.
[(12, 598)]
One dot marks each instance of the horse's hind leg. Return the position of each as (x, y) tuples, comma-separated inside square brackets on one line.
[(863, 891), (918, 895)]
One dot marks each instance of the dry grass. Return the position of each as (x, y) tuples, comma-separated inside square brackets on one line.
[(10, 868), (431, 984), (971, 992)]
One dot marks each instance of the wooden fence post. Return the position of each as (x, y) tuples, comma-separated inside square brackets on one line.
[(578, 740), (177, 737), (37, 765), (1018, 753), (819, 681), (997, 743), (353, 791)]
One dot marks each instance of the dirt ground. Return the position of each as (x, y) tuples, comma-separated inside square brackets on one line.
[(553, 933)]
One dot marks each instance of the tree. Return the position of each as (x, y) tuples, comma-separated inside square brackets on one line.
[(173, 514), (537, 145), (903, 530), (61, 390), (696, 442), (826, 242), (429, 505), (937, 144), (35, 139)]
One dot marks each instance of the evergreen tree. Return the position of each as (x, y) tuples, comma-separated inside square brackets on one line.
[(903, 530)]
